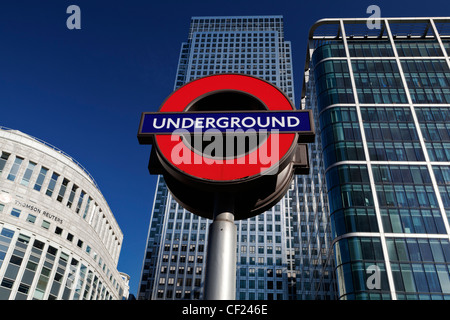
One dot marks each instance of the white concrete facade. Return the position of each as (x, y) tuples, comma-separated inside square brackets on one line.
[(58, 236)]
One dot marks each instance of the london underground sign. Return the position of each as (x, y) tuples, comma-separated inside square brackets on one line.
[(228, 147), (229, 133)]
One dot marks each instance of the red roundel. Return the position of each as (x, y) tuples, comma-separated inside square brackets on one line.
[(254, 163)]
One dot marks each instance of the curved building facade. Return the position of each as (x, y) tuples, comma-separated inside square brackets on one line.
[(58, 237)]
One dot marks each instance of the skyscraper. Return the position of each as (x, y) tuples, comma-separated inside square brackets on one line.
[(381, 95), (174, 263)]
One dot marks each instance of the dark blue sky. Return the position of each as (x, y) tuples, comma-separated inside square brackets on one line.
[(84, 90)]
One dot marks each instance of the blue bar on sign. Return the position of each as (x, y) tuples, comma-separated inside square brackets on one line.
[(194, 122)]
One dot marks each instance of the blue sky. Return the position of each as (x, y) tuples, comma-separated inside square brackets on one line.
[(84, 90)]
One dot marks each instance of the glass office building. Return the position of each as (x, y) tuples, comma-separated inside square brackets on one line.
[(269, 245), (382, 97)]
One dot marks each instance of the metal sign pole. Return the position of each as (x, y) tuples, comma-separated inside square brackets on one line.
[(220, 278)]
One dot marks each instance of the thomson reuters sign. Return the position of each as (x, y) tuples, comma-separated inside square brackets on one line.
[(227, 133)]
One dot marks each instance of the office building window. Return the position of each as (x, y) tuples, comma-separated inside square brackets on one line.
[(15, 168), (62, 190), (45, 224), (40, 179), (28, 172), (52, 184), (72, 196), (80, 201), (15, 212), (58, 230), (31, 218), (3, 159)]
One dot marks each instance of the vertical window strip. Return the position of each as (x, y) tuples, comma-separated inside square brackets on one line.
[(3, 159), (15, 168), (40, 179), (52, 184), (28, 173), (62, 190), (80, 201), (72, 196)]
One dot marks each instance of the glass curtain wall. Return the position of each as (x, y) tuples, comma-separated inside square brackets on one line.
[(383, 99)]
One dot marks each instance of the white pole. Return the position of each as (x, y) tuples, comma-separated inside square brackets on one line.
[(220, 278)]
